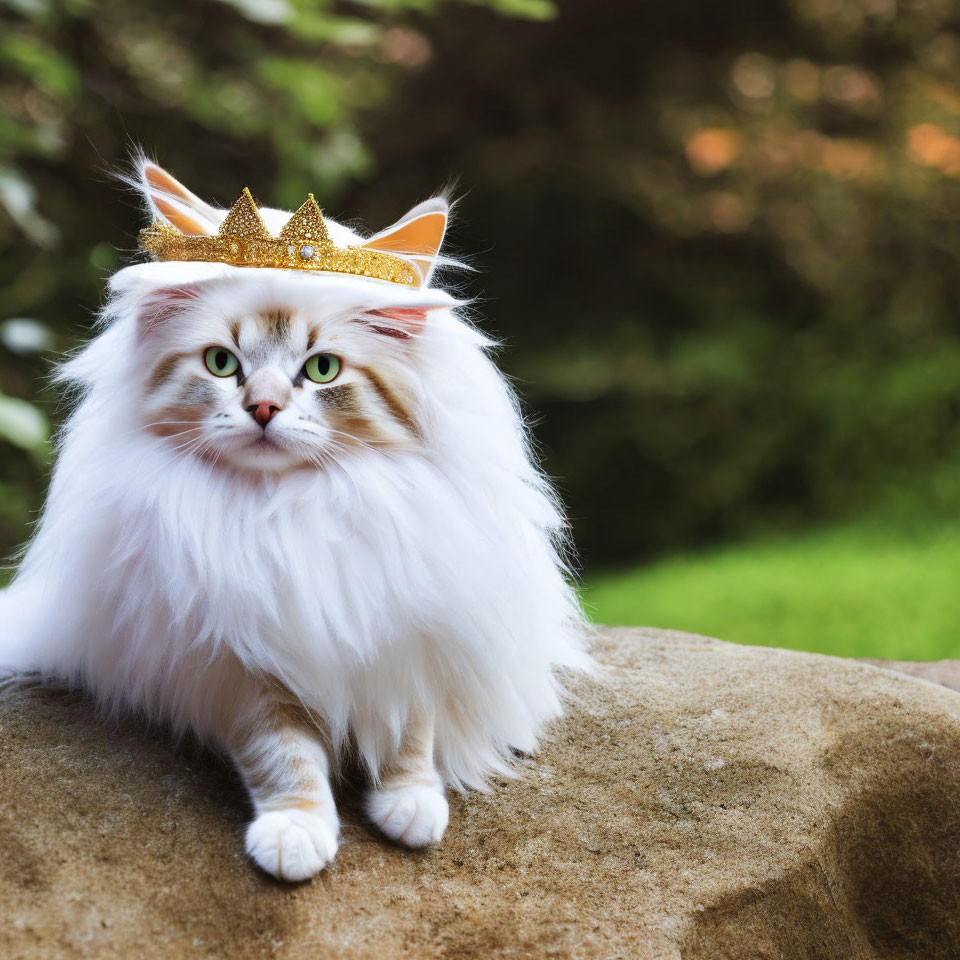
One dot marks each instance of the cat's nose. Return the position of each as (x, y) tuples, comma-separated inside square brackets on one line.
[(264, 411), (268, 390)]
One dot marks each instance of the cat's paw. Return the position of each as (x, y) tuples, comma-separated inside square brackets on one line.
[(415, 816), (291, 844)]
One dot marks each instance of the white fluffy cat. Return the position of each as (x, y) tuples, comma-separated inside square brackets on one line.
[(296, 513)]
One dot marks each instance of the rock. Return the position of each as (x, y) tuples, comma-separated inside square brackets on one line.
[(702, 801), (944, 672)]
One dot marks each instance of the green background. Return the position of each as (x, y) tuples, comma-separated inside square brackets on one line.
[(719, 242)]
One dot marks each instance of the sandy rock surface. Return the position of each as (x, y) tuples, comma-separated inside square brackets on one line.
[(702, 801)]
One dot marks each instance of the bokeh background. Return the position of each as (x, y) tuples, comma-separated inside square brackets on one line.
[(719, 242)]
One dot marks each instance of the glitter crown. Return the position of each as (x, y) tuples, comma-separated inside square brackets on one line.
[(303, 244)]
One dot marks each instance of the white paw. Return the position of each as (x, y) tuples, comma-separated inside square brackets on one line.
[(413, 816), (291, 844)]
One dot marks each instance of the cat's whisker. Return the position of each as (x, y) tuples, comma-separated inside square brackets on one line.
[(147, 427), (371, 443), (188, 448), (163, 423)]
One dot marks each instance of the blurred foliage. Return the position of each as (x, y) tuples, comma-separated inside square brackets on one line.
[(718, 240), (722, 242)]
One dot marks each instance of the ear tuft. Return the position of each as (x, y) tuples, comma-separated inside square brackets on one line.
[(418, 236), (171, 202)]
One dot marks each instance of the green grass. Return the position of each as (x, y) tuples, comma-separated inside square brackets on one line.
[(857, 590)]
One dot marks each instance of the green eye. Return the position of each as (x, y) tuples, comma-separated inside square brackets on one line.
[(221, 362), (322, 367)]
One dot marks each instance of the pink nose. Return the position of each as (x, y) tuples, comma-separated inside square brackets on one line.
[(263, 412)]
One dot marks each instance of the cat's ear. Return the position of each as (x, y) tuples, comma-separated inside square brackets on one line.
[(418, 236), (171, 202)]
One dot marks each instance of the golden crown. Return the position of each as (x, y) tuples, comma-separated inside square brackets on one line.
[(303, 244)]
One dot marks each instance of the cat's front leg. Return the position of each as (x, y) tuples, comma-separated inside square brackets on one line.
[(284, 761), (409, 805)]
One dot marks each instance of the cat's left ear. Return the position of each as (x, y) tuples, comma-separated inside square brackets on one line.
[(171, 202), (417, 236)]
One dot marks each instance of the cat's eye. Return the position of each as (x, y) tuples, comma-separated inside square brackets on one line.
[(322, 367), (221, 362)]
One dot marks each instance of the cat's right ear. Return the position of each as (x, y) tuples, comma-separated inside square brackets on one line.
[(171, 202)]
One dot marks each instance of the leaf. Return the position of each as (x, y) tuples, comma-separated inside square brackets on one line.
[(23, 335), (42, 64), (321, 95), (23, 424), (272, 12), (522, 9), (19, 198)]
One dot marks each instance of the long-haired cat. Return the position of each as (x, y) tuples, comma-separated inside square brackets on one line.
[(296, 513)]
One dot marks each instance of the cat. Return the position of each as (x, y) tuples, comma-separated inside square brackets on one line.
[(296, 513)]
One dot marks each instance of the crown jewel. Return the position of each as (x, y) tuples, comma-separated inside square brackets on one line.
[(303, 244)]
